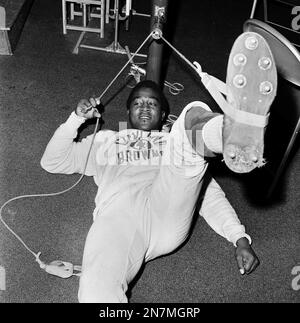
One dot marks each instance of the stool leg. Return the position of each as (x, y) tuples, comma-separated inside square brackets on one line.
[(102, 17), (64, 18), (107, 11), (84, 15), (72, 11)]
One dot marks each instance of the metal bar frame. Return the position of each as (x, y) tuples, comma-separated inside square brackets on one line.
[(85, 16)]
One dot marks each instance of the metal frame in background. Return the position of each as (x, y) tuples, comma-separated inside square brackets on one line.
[(85, 14), (159, 10), (115, 46), (265, 29), (266, 17)]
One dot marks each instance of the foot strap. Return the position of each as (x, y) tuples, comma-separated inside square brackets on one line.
[(215, 87)]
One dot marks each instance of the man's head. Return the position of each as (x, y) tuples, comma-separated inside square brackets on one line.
[(147, 106)]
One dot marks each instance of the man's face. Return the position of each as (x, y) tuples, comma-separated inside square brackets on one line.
[(145, 111)]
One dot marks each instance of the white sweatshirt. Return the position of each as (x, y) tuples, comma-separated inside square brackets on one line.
[(115, 168)]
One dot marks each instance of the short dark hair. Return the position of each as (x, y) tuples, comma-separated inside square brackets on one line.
[(148, 84)]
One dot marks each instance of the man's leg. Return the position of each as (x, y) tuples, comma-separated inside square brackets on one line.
[(113, 254), (175, 191), (239, 136)]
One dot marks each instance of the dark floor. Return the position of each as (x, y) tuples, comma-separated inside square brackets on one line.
[(40, 86)]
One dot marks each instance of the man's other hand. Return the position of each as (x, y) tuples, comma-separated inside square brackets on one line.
[(245, 256)]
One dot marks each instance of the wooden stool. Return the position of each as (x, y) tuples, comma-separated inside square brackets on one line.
[(97, 11)]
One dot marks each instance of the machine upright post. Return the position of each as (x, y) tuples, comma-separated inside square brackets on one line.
[(155, 52)]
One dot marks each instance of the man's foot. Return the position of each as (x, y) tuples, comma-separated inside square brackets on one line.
[(252, 84)]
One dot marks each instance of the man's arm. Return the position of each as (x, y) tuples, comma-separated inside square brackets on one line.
[(222, 218), (63, 154)]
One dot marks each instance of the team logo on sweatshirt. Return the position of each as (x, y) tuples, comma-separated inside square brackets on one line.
[(139, 145)]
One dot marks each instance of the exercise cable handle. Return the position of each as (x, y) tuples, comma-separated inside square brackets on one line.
[(61, 268)]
